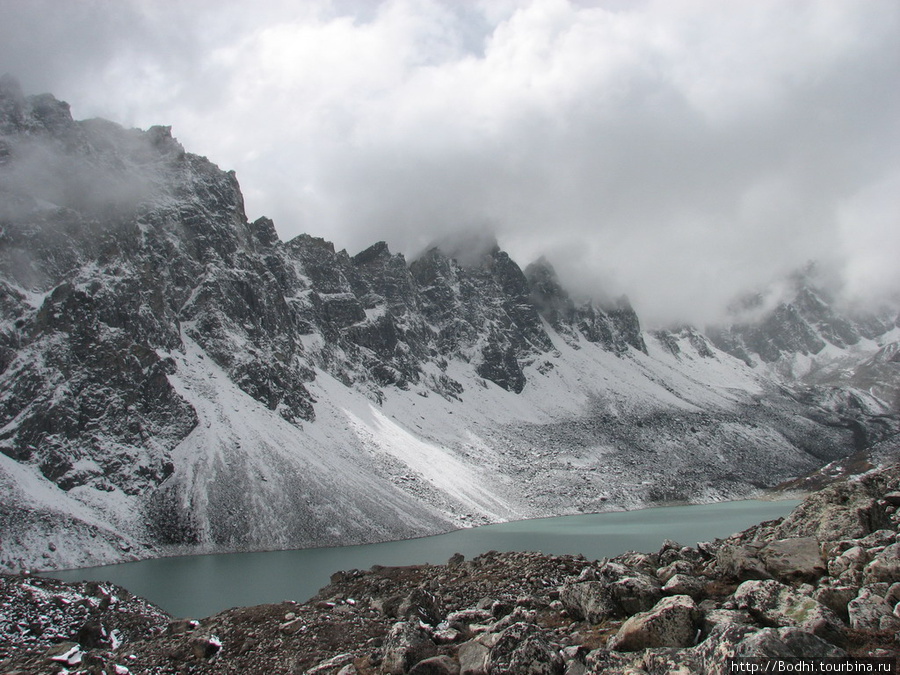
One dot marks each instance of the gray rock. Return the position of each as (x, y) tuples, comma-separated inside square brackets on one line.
[(589, 600), (635, 593), (792, 560), (672, 622), (522, 648), (790, 642), (683, 584), (406, 645), (421, 604), (871, 611), (726, 617), (436, 665), (733, 640), (677, 567), (473, 658), (836, 598), (741, 562), (776, 604), (884, 567)]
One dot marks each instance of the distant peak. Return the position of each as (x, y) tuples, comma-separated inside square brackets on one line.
[(468, 247), (374, 252)]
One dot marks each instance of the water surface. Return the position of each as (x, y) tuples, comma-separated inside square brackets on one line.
[(201, 585)]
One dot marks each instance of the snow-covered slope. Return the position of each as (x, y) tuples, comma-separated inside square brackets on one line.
[(174, 378)]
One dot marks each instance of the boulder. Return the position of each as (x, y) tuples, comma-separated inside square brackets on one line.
[(773, 603), (473, 658), (523, 649), (790, 642), (843, 510), (589, 600), (406, 644), (732, 640), (740, 562), (870, 611), (885, 566), (421, 604), (836, 598), (793, 560), (436, 665), (635, 593), (677, 567), (683, 584), (672, 622)]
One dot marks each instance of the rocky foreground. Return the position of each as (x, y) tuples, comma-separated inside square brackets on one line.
[(823, 582)]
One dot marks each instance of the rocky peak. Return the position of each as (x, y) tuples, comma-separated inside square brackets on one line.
[(804, 322), (549, 297)]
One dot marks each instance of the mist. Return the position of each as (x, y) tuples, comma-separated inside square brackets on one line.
[(679, 152)]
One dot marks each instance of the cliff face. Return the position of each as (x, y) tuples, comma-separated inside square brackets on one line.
[(174, 377)]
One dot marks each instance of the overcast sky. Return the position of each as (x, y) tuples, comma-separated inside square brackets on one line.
[(679, 151)]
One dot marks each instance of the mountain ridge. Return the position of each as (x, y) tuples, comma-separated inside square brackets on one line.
[(174, 378)]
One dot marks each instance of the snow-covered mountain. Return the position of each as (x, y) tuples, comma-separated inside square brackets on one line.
[(174, 378)]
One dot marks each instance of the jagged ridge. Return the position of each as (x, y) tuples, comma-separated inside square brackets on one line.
[(169, 373)]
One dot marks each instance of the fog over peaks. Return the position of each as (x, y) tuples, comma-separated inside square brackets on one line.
[(681, 152)]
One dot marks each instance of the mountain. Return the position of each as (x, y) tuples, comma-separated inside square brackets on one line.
[(175, 378), (807, 336)]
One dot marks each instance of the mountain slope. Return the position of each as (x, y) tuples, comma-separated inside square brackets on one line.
[(174, 378)]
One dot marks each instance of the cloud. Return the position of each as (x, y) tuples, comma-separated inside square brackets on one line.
[(679, 151)]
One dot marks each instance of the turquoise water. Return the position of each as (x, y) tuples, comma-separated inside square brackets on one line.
[(201, 585)]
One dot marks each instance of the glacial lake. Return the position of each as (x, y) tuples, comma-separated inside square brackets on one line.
[(201, 585)]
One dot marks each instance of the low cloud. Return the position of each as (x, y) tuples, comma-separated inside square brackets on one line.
[(678, 151)]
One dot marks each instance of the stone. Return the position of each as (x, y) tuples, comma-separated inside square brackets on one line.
[(683, 584), (589, 600), (716, 617), (871, 611), (836, 598), (892, 498), (406, 645), (635, 593), (423, 605), (523, 649), (66, 653), (790, 642), (328, 666), (843, 510), (473, 658), (672, 622), (205, 646), (436, 665), (849, 564), (885, 566), (776, 604), (793, 560), (740, 563), (732, 640), (677, 567)]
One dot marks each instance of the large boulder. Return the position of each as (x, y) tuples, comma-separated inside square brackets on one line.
[(741, 562), (884, 567), (844, 510), (588, 600), (773, 603), (793, 560), (436, 665), (673, 622), (406, 644), (523, 649), (870, 610)]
